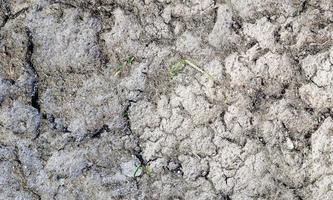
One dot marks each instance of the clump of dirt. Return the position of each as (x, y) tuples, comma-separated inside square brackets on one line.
[(115, 99)]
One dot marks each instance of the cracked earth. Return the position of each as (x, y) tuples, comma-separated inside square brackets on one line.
[(90, 110)]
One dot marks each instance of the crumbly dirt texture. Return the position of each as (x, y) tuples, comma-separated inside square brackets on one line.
[(163, 99)]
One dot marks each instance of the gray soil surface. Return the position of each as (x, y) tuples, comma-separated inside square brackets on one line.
[(162, 99)]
